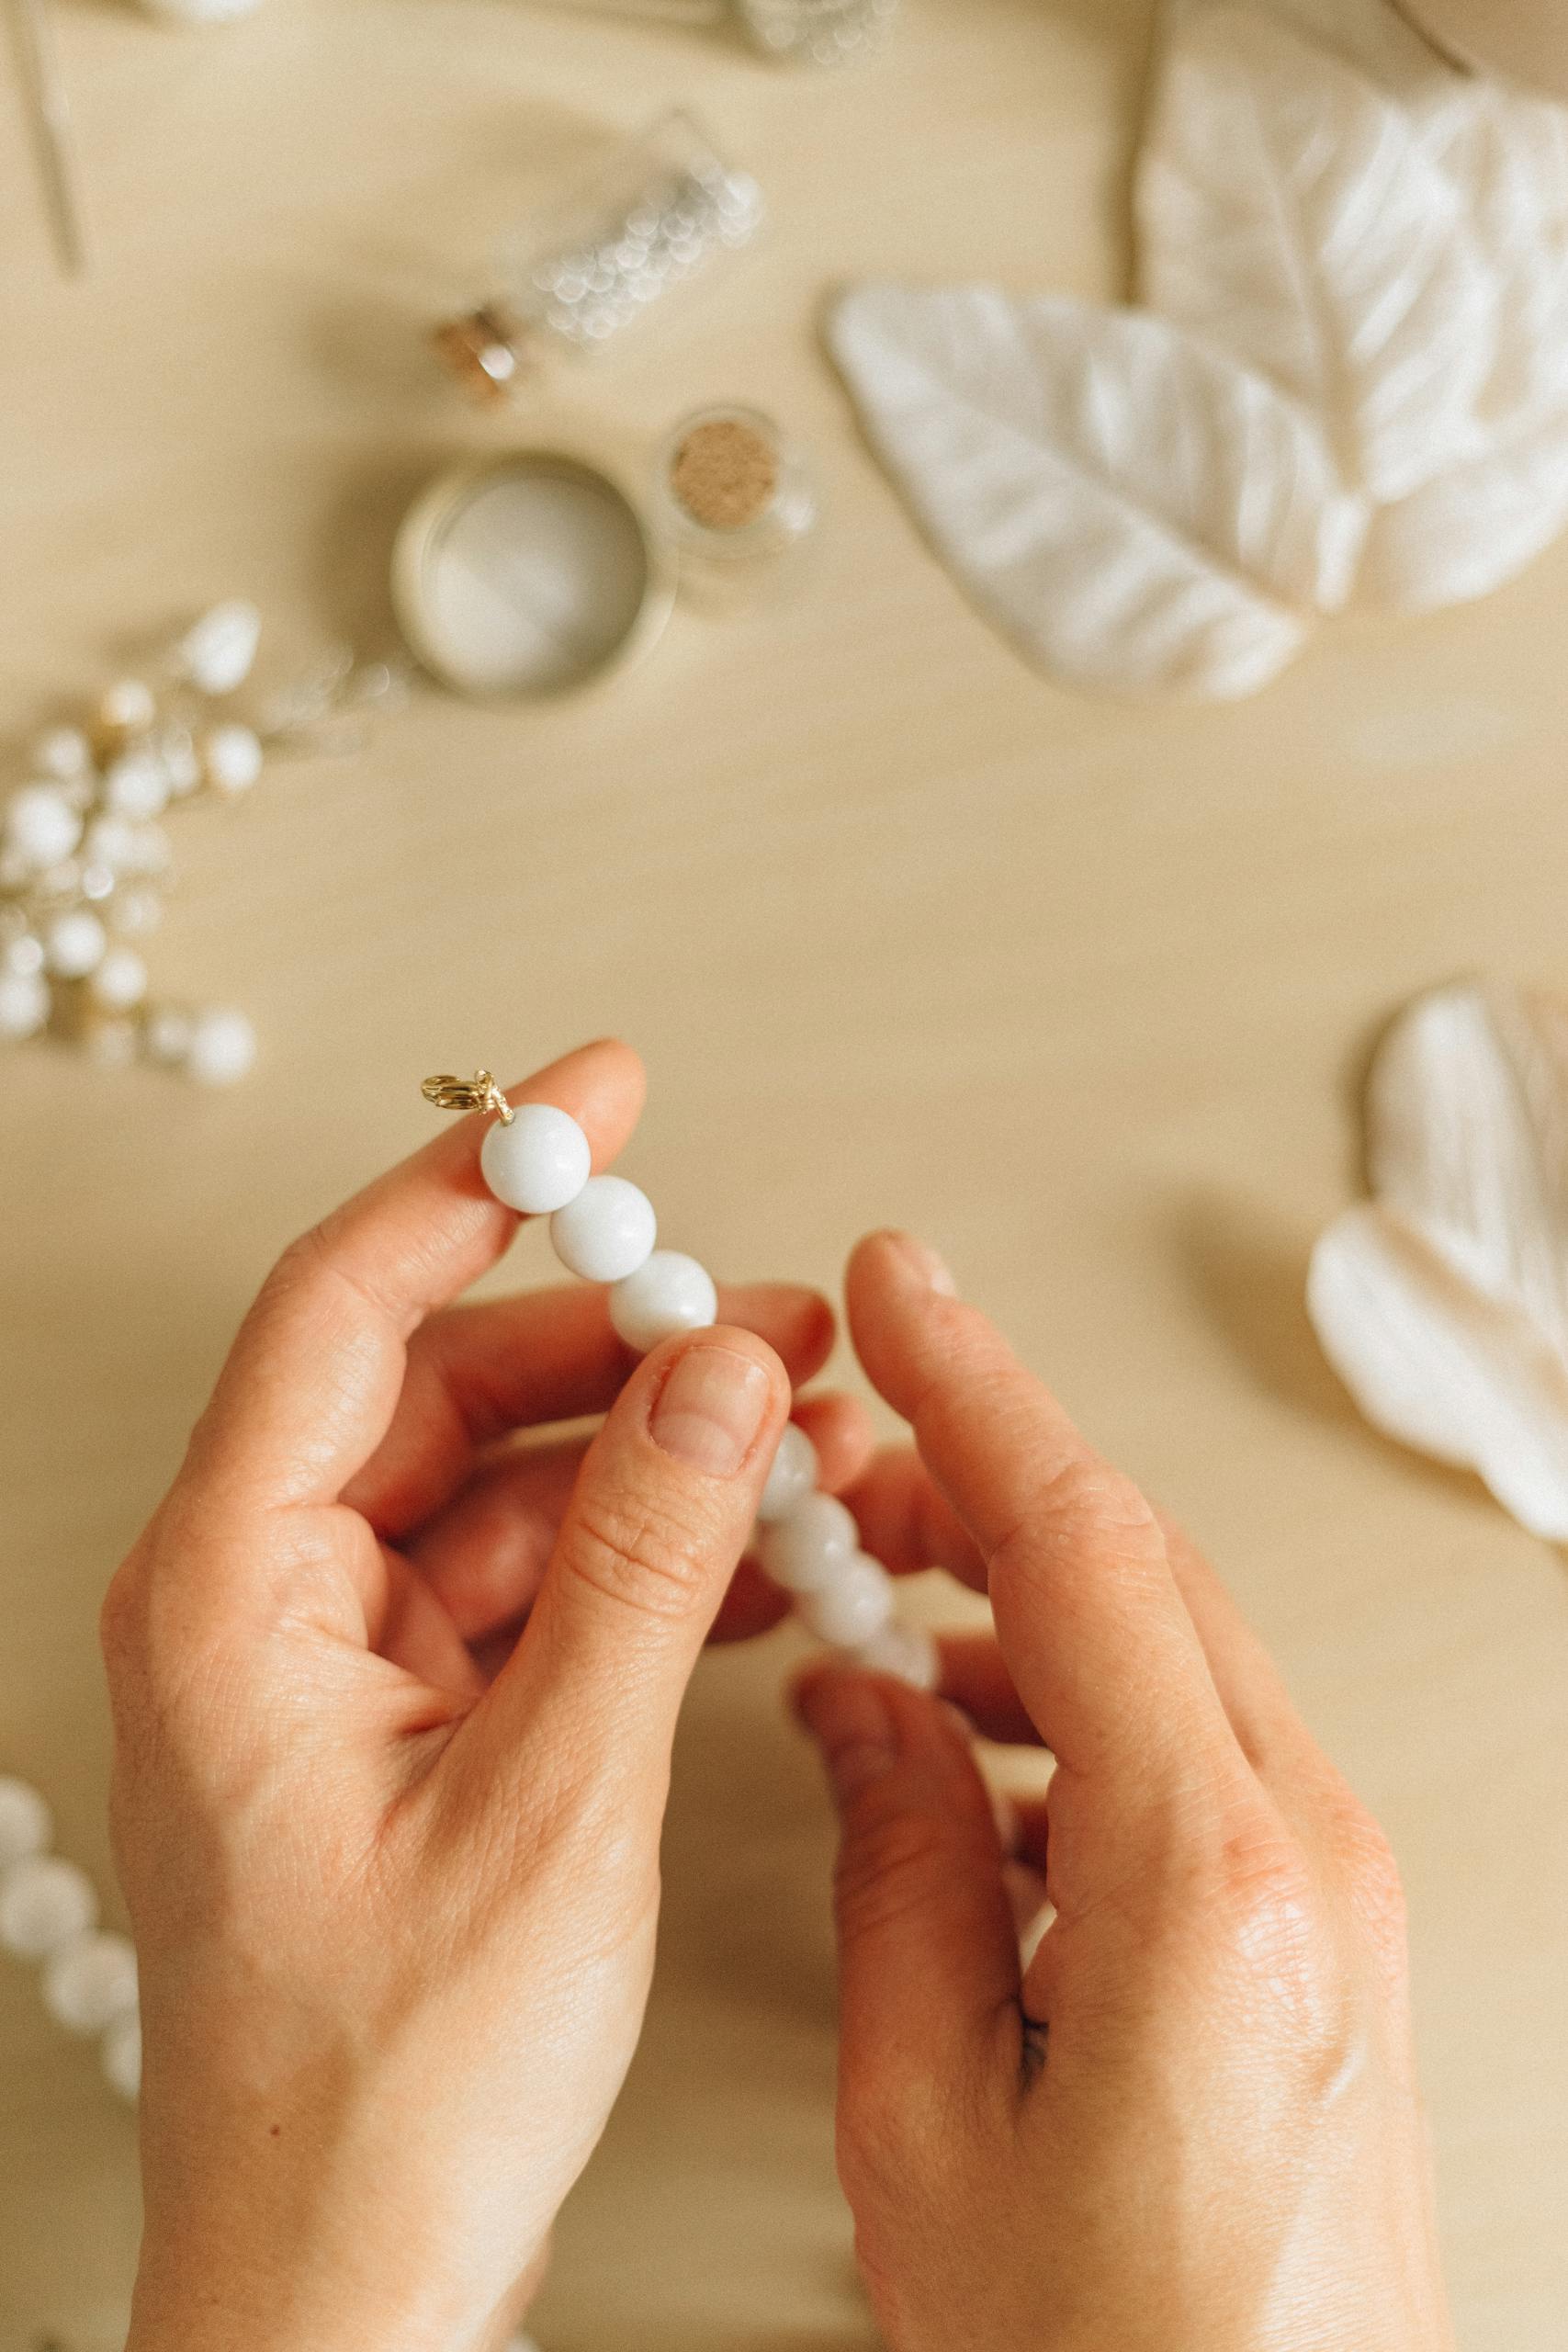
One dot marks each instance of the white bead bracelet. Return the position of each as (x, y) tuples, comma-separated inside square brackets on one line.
[(537, 1159)]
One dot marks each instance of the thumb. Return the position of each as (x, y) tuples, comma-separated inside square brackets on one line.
[(657, 1520), (928, 1954)]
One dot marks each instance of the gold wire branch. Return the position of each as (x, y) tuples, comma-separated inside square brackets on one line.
[(479, 1092)]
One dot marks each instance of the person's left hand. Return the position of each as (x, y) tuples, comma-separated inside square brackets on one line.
[(394, 1701)]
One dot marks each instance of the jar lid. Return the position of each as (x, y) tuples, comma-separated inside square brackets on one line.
[(527, 575)]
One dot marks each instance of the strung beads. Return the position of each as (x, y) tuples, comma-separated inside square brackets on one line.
[(48, 1912), (603, 1228), (668, 1293)]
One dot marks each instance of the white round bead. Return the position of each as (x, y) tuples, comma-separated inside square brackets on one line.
[(222, 1047), (607, 1232), (233, 758), (168, 1035), (136, 787), (62, 752), (120, 2051), (812, 1546), (906, 1652), (24, 1005), (853, 1608), (26, 1824), (41, 824), (792, 1478), (537, 1161), (74, 944), (669, 1292), (216, 653), (120, 979), (128, 707), (90, 1982), (44, 1901)]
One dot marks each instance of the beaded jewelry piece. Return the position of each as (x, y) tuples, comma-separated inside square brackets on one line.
[(537, 1159), (84, 854), (48, 1913)]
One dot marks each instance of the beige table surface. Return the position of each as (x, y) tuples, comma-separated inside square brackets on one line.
[(903, 932)]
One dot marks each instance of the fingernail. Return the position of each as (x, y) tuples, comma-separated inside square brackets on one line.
[(926, 1266), (710, 1409), (858, 1736)]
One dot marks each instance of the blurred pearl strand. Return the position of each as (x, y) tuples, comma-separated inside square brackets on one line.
[(86, 857)]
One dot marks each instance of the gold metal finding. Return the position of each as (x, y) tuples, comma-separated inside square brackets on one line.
[(479, 1092)]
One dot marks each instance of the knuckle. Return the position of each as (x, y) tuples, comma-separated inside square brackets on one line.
[(886, 1866), (635, 1554)]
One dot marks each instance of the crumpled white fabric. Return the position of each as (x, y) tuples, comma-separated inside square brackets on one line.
[(1326, 203), (1442, 1301)]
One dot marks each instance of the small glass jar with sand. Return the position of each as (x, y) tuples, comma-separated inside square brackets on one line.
[(735, 498)]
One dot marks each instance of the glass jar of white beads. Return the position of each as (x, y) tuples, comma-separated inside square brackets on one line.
[(664, 207), (733, 496)]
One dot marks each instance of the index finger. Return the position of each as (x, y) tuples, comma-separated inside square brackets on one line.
[(313, 1377), (1101, 1649)]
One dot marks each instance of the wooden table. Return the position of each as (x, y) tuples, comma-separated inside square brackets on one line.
[(903, 932)]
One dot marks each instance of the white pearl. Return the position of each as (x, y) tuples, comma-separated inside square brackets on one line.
[(906, 1652), (812, 1546), (128, 707), (26, 1824), (41, 824), (120, 2051), (792, 1478), (75, 944), (216, 655), (62, 752), (222, 1047), (120, 979), (669, 1292), (537, 1161), (854, 1607), (607, 1232), (232, 757), (136, 912), (136, 785), (90, 1982), (24, 1005), (44, 1901)]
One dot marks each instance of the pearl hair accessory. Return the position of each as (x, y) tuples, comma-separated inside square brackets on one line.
[(49, 1914), (537, 1158), (85, 852)]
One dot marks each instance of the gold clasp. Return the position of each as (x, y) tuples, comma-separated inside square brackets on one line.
[(479, 1092)]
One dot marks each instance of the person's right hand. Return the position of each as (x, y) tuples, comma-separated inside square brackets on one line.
[(1192, 2125)]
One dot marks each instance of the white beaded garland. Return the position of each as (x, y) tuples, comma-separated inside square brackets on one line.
[(233, 758), (668, 1293), (853, 1607), (41, 825), (537, 1161), (26, 1824), (44, 1901), (90, 1982), (815, 1544), (222, 1047), (792, 1478), (24, 1005), (120, 980), (906, 1652), (607, 1232), (136, 787), (74, 944)]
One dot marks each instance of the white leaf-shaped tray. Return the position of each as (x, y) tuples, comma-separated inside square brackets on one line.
[(1443, 1302), (1136, 511)]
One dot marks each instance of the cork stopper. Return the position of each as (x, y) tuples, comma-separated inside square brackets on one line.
[(484, 349), (724, 473)]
